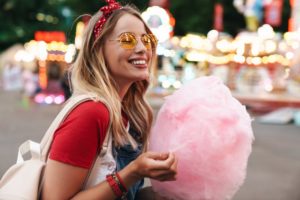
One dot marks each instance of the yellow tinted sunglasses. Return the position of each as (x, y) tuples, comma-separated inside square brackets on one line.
[(128, 40)]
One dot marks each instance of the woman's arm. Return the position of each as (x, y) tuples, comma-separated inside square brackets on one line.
[(63, 181)]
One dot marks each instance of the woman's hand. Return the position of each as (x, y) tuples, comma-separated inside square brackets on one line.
[(154, 165)]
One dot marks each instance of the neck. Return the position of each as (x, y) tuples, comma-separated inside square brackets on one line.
[(122, 89)]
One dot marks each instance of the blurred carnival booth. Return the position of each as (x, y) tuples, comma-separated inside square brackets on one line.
[(261, 68), (53, 58), (10, 70), (43, 62)]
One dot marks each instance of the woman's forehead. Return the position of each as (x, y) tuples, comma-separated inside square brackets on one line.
[(129, 23)]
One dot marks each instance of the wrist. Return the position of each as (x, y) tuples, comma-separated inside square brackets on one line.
[(117, 188), (130, 174)]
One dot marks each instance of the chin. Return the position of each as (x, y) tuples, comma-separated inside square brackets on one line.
[(142, 77)]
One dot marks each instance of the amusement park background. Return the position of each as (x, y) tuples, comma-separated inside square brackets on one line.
[(253, 46)]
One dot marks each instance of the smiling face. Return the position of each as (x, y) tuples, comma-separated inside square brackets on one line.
[(127, 65)]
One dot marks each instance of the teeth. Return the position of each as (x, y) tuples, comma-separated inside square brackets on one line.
[(138, 62)]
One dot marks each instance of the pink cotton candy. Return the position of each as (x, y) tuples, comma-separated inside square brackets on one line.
[(210, 133)]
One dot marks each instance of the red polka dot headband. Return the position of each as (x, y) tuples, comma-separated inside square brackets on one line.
[(106, 12)]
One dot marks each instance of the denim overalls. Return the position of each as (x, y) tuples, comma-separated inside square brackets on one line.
[(124, 155)]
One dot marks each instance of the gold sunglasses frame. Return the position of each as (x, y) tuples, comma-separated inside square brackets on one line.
[(152, 38)]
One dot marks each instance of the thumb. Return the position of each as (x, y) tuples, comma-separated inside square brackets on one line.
[(158, 155)]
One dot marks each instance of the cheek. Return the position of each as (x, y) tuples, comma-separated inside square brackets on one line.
[(115, 57), (150, 56)]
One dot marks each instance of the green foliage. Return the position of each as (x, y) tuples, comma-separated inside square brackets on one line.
[(234, 21), (21, 18), (192, 16)]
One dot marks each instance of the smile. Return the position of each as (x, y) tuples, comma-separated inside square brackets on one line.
[(138, 62)]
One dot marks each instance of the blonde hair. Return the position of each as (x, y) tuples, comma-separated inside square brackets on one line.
[(90, 74)]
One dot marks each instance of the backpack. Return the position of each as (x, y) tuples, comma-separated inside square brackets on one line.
[(22, 180)]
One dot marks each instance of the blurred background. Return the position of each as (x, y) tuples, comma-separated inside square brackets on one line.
[(253, 46)]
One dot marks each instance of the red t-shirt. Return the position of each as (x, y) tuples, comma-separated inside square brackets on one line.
[(82, 133)]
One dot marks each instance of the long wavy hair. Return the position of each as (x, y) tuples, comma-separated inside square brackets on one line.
[(90, 75)]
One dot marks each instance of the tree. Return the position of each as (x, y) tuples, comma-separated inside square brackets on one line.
[(192, 16), (21, 18)]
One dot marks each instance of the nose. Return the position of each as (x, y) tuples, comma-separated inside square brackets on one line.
[(140, 47)]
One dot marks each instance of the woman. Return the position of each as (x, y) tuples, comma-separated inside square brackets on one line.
[(113, 68)]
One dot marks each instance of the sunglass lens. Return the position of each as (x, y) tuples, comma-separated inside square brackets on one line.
[(128, 41), (146, 39)]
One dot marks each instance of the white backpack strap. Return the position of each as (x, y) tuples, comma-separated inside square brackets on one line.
[(100, 153), (48, 137), (103, 148)]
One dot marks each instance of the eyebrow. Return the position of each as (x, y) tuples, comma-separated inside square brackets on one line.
[(132, 33)]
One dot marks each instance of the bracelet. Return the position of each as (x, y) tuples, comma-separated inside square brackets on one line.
[(117, 185), (114, 185), (120, 182)]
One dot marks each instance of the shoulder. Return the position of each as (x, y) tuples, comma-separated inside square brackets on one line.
[(90, 109), (82, 133), (89, 116), (88, 113), (86, 119)]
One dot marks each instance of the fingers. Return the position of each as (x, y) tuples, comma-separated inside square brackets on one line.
[(158, 155), (170, 160), (162, 160), (171, 173), (174, 165), (165, 170), (158, 166)]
